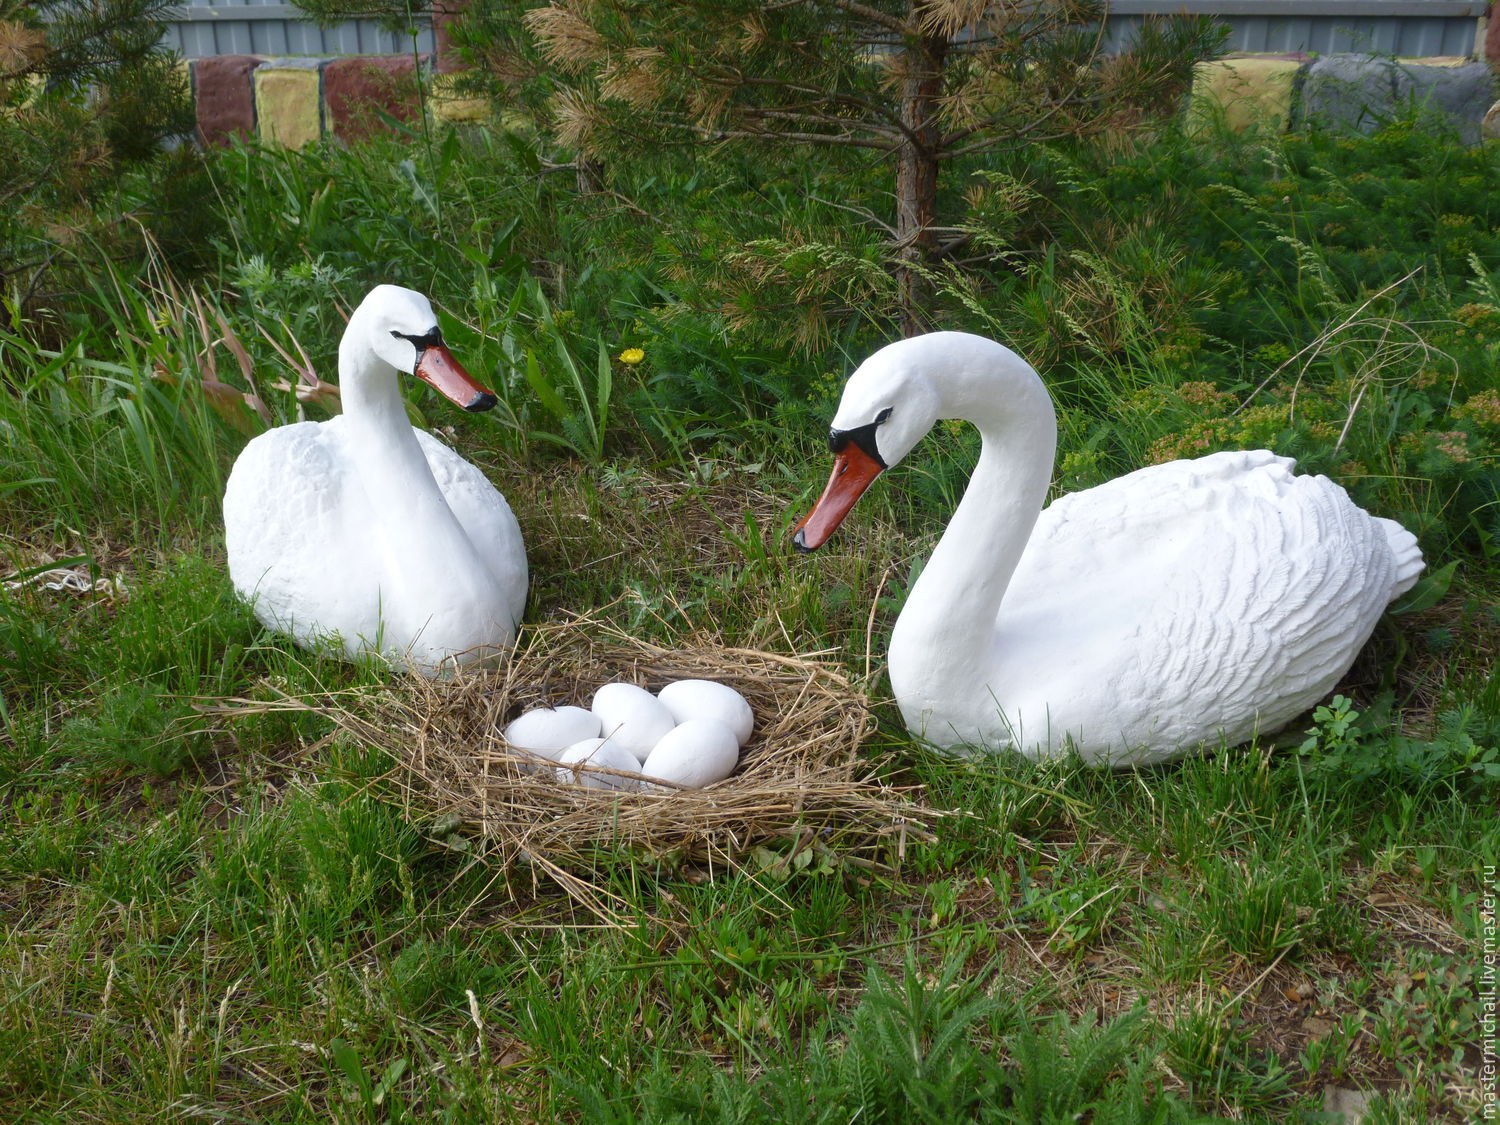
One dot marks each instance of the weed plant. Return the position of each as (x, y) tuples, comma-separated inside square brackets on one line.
[(236, 920)]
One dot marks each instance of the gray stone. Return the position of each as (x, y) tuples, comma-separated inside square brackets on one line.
[(1462, 94), (1355, 92), (297, 62), (1362, 92), (1347, 1106)]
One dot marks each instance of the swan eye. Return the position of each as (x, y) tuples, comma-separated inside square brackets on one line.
[(433, 337), (882, 416)]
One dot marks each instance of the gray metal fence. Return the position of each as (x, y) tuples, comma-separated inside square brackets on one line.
[(1407, 28), (201, 28)]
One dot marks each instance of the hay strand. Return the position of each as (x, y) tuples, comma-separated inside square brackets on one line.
[(799, 781)]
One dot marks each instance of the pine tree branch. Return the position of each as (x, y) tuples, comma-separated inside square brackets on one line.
[(874, 15), (884, 113), (842, 139), (1025, 132), (846, 137), (806, 117), (887, 122), (1012, 132), (863, 212), (1029, 132), (114, 40)]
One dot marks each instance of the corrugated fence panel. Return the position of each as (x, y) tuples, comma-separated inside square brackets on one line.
[(236, 27), (1405, 38), (1406, 28)]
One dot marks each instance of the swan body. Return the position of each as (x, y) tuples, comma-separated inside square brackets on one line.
[(362, 534), (1193, 602)]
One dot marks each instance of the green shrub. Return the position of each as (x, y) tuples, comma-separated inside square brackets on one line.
[(86, 93)]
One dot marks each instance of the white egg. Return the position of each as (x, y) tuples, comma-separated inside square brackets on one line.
[(632, 717), (548, 732), (695, 753), (706, 699), (600, 752)]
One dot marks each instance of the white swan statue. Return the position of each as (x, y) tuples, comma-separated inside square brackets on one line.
[(1183, 604), (362, 534)]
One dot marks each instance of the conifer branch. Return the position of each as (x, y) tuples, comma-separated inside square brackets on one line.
[(801, 117), (874, 15), (845, 140), (874, 109)]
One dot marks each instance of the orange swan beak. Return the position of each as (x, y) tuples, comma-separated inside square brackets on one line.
[(437, 368), (853, 470)]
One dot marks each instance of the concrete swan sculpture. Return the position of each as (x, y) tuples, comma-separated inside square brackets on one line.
[(365, 535), (1184, 603)]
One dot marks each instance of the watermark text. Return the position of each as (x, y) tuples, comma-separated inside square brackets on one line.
[(1489, 976)]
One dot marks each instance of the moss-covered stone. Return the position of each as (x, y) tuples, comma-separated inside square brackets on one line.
[(289, 102), (1247, 91)]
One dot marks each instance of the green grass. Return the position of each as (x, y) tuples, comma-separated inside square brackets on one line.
[(235, 917)]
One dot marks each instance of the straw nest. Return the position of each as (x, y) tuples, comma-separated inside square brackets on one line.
[(799, 790)]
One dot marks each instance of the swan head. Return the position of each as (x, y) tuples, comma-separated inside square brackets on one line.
[(402, 330), (888, 405)]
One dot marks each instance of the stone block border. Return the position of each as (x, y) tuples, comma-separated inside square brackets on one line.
[(1350, 91), (294, 101)]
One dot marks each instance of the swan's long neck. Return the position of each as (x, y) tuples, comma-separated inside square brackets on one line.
[(421, 542), (941, 649), (390, 460)]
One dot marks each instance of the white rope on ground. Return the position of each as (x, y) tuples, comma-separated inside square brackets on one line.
[(62, 579)]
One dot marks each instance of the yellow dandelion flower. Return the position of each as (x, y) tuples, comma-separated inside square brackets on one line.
[(632, 356)]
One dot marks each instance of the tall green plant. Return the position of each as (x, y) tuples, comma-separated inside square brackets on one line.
[(576, 394), (128, 423)]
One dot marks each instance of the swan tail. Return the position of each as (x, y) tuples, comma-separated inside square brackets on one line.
[(1406, 553)]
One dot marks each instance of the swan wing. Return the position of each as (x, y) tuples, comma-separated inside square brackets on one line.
[(485, 516), (1227, 596), (1300, 578), (292, 528)]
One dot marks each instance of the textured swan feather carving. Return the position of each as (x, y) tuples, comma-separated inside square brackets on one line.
[(1186, 603)]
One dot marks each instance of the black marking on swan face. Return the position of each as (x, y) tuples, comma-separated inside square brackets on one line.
[(861, 436), (432, 338)]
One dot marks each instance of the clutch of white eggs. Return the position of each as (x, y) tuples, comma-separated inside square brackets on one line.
[(690, 733)]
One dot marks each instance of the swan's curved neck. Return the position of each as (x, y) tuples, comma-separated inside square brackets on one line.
[(946, 628), (419, 540), (392, 464)]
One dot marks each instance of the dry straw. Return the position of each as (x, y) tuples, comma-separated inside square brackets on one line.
[(800, 786)]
